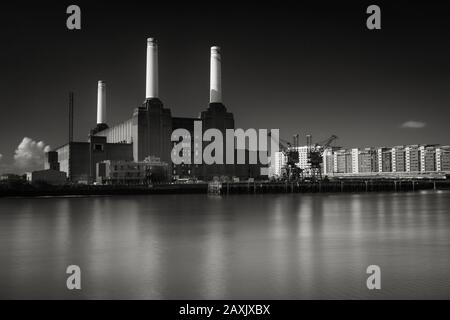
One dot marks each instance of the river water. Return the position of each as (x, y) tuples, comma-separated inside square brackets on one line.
[(285, 246)]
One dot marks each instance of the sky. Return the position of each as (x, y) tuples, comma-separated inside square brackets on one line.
[(302, 68)]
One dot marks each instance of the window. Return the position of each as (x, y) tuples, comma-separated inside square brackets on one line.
[(98, 147)]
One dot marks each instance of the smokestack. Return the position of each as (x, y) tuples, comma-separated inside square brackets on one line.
[(101, 102), (215, 85), (152, 69)]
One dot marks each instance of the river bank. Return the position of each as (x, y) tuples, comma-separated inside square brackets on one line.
[(30, 190)]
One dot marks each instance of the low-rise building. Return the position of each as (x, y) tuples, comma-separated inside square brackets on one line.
[(10, 177), (78, 159), (49, 176), (151, 170)]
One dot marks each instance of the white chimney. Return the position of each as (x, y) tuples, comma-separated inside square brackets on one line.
[(152, 69), (215, 85), (101, 102)]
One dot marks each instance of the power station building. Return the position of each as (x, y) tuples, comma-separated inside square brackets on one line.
[(148, 132)]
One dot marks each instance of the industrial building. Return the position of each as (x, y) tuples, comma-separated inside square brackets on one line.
[(147, 133), (78, 159), (48, 176)]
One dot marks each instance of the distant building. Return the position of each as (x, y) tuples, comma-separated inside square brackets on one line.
[(355, 160), (328, 166), (340, 161), (348, 161), (185, 170), (303, 158), (278, 163), (10, 177), (367, 160), (52, 161), (443, 159), (384, 157), (148, 132), (398, 159), (151, 170), (427, 158), (412, 156), (78, 159), (49, 176)]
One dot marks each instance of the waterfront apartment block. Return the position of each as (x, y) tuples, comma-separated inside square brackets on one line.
[(400, 160), (412, 156), (367, 160), (427, 158), (277, 164), (303, 157), (328, 163), (342, 161), (443, 158), (384, 159)]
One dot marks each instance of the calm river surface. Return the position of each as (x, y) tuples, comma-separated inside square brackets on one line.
[(287, 246)]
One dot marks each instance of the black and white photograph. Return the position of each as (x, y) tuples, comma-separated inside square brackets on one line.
[(224, 151)]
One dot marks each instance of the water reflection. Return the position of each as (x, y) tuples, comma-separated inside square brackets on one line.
[(242, 247)]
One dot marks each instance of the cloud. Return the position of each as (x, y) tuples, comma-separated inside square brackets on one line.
[(413, 124), (30, 155)]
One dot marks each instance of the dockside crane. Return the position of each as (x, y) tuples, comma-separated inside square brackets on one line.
[(290, 171), (315, 155)]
